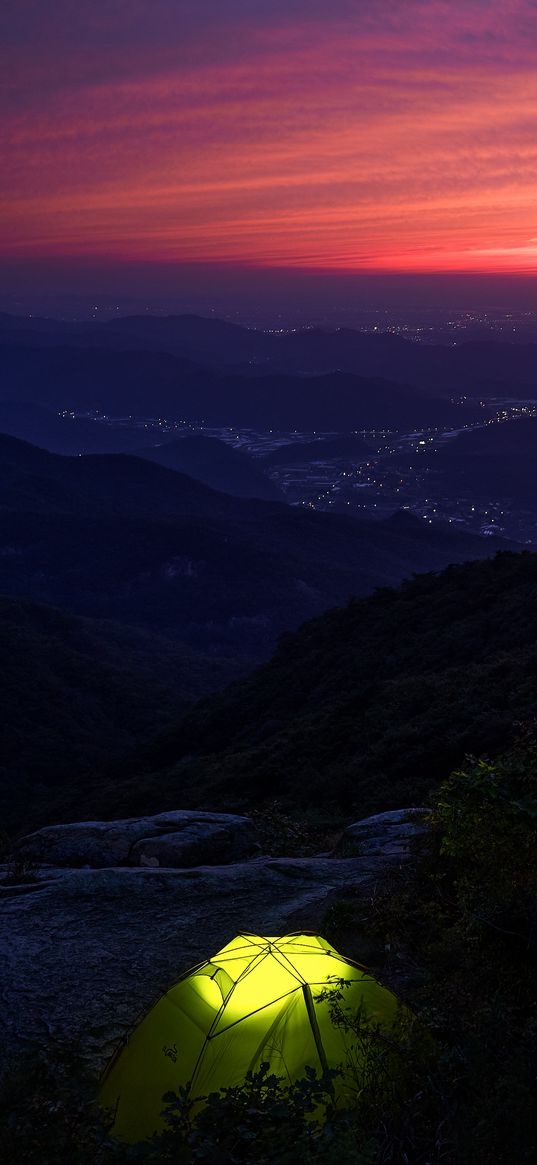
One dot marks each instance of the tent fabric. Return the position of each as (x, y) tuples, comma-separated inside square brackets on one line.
[(255, 1002)]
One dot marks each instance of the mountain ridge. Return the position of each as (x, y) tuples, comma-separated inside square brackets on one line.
[(149, 383), (471, 366), (364, 707)]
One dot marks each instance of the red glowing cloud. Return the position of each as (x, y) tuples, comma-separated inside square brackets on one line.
[(385, 137)]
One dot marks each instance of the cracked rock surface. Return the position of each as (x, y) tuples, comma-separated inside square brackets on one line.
[(86, 951)]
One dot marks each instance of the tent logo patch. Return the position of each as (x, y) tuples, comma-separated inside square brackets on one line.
[(171, 1053)]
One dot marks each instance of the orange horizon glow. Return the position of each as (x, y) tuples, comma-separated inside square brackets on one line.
[(404, 145)]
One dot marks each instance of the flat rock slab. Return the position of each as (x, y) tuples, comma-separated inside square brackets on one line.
[(86, 951)]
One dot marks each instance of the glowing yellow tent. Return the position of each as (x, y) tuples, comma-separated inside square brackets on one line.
[(257, 1001)]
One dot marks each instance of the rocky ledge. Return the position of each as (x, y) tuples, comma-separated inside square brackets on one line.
[(86, 950), (176, 839)]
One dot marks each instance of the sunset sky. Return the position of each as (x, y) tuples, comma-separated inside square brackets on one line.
[(344, 136)]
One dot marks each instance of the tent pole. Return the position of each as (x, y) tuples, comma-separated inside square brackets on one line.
[(310, 1008)]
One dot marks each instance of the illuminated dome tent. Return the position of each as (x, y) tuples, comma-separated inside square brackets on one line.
[(256, 1001)]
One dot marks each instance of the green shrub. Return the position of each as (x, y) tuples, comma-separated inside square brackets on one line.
[(487, 817), (458, 928)]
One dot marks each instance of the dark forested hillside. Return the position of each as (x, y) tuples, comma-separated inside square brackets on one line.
[(120, 538), (367, 707), (75, 693)]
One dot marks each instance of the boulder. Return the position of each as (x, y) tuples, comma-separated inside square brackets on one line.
[(175, 839), (198, 843), (385, 834)]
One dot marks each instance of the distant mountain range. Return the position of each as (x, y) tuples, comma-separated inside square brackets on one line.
[(118, 537), (487, 366), (158, 384)]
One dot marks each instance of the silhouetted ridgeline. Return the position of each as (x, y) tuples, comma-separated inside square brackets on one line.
[(368, 707), (153, 384), (472, 367)]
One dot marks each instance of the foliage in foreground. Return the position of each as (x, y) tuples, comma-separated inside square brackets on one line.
[(49, 1116), (458, 934)]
